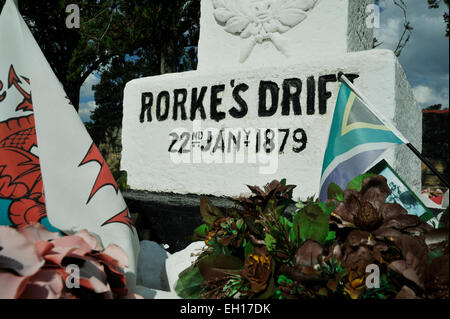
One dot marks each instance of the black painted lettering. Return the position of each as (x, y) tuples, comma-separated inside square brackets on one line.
[(146, 106), (324, 95), (290, 97), (166, 96), (216, 101), (265, 86), (197, 103), (179, 103), (311, 97), (234, 112)]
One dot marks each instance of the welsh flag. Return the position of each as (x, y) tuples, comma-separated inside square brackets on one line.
[(50, 170)]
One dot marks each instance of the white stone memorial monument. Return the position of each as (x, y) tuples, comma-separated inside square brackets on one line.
[(260, 105)]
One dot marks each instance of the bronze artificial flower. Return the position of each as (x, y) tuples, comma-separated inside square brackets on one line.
[(273, 190), (368, 210), (257, 270), (377, 226)]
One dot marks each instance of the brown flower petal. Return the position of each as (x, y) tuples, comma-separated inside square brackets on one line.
[(378, 251), (375, 190), (257, 270), (403, 222), (439, 269), (386, 232), (256, 190), (357, 237), (406, 293), (409, 272), (392, 210), (350, 207), (359, 258), (308, 253), (415, 254)]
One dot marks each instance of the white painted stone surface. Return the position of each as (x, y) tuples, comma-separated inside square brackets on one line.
[(145, 153), (326, 28), (181, 260), (158, 270)]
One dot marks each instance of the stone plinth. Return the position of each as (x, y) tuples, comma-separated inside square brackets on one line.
[(151, 167)]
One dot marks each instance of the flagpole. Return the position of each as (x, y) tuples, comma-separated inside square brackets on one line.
[(343, 78)]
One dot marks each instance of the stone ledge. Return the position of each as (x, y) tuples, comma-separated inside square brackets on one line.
[(169, 218)]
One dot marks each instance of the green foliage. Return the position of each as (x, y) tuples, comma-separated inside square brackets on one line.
[(435, 4), (259, 250), (356, 183), (312, 223), (202, 230), (248, 248), (173, 27), (121, 179), (188, 285), (335, 192), (118, 40)]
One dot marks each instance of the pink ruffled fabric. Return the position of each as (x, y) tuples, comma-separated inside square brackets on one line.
[(34, 261)]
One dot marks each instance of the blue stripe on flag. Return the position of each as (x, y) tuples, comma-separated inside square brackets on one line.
[(349, 169)]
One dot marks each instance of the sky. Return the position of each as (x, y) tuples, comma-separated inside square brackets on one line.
[(424, 59)]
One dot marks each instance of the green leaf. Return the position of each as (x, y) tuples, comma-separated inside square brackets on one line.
[(270, 242), (188, 285), (335, 192), (356, 183), (282, 279), (313, 223), (121, 178), (300, 204), (327, 207), (330, 237), (202, 230), (239, 223), (249, 249)]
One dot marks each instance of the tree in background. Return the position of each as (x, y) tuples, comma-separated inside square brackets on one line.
[(75, 53), (435, 4), (108, 29), (167, 42)]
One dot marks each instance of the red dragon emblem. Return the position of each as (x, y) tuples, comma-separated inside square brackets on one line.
[(20, 173)]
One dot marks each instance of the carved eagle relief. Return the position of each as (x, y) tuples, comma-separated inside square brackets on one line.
[(261, 20)]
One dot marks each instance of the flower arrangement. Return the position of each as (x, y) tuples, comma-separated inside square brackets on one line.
[(34, 265), (354, 246)]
